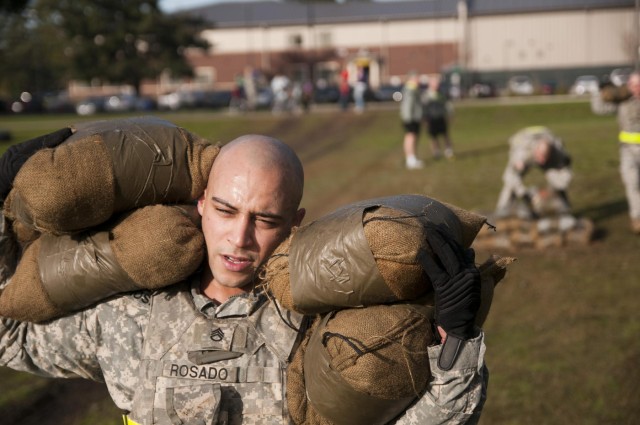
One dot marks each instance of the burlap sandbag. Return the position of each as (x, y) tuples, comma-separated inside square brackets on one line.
[(363, 254), (25, 298), (107, 167), (147, 248), (492, 271), (365, 366), (300, 411)]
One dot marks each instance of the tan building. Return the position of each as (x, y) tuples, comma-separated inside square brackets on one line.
[(490, 40)]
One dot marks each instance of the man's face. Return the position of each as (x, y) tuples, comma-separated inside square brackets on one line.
[(246, 213), (541, 152)]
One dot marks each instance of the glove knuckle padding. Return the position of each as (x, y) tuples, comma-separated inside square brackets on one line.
[(363, 254), (107, 167)]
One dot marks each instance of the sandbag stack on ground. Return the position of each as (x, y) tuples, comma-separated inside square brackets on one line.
[(146, 248), (514, 233), (107, 167)]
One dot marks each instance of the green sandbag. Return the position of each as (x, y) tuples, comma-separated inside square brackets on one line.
[(107, 167), (146, 248)]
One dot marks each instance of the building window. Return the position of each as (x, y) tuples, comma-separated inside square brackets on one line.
[(324, 39), (205, 75), (295, 40)]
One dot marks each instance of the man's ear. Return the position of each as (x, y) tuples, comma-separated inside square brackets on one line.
[(299, 216), (201, 202)]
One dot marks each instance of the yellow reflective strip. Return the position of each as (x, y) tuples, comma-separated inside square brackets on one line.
[(629, 137), (127, 421)]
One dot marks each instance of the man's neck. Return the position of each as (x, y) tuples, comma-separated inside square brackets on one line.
[(216, 292)]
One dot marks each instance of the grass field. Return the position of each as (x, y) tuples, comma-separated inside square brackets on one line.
[(563, 334)]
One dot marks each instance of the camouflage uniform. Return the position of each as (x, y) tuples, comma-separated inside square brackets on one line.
[(174, 355), (521, 148), (629, 122)]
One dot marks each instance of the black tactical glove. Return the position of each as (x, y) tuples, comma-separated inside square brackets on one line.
[(456, 283), (15, 157)]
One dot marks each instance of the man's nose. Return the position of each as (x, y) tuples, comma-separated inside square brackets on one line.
[(242, 232)]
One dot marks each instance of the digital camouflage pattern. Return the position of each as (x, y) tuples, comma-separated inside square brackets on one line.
[(170, 354), (629, 121), (521, 147)]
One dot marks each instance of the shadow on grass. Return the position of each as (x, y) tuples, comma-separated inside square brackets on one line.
[(601, 212), (478, 152)]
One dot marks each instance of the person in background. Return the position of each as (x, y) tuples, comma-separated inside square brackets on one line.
[(360, 89), (411, 117), (437, 112), (533, 146), (629, 137)]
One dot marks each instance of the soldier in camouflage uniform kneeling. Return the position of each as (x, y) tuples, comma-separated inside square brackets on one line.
[(533, 146)]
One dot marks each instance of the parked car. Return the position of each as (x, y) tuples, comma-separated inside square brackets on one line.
[(520, 85), (264, 98), (91, 105), (120, 103), (585, 84), (27, 103), (177, 100), (619, 76), (388, 92), (326, 94), (482, 90), (58, 102)]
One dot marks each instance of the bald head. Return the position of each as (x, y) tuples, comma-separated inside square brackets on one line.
[(265, 154)]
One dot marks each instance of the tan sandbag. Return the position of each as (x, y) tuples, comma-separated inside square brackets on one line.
[(492, 271), (300, 411), (365, 366), (147, 248), (24, 298), (107, 167), (363, 254)]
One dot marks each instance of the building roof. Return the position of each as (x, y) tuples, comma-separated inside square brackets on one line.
[(278, 13)]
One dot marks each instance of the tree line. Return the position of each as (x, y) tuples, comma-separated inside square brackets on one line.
[(46, 43)]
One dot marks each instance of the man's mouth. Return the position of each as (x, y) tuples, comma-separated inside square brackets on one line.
[(235, 263)]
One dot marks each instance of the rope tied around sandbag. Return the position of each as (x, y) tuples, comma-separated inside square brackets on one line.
[(396, 335)]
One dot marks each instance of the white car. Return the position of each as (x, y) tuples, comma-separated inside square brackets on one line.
[(520, 84), (619, 76), (585, 84)]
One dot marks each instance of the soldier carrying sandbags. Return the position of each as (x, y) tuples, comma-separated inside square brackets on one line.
[(216, 347)]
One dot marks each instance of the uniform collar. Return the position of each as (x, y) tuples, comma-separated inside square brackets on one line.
[(238, 305)]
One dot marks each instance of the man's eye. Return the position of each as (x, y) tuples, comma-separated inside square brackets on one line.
[(267, 222), (223, 211)]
